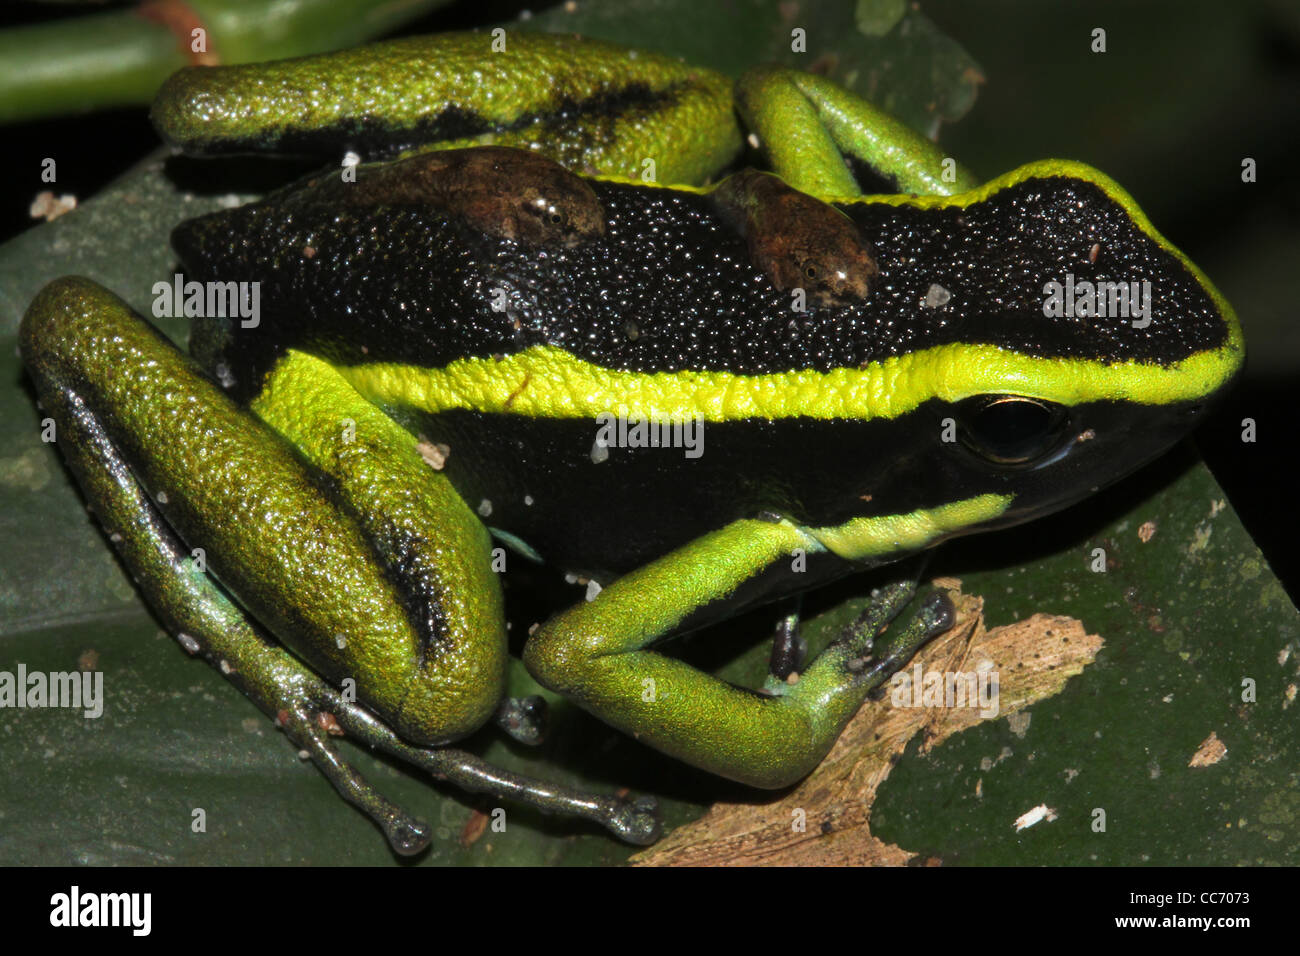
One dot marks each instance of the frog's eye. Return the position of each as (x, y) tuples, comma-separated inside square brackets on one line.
[(810, 271), (1011, 429)]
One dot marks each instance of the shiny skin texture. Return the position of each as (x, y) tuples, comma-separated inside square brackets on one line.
[(669, 312)]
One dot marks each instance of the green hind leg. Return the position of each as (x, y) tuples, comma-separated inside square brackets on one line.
[(268, 529), (806, 124)]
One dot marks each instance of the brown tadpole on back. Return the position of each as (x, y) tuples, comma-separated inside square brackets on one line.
[(796, 240), (503, 192)]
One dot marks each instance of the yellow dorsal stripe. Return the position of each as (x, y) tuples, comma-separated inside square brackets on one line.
[(548, 382)]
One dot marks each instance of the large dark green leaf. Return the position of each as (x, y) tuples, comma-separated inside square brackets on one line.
[(175, 737), (1201, 642)]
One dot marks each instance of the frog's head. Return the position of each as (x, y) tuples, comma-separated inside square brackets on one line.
[(1079, 344)]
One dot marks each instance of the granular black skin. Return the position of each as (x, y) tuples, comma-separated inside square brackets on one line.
[(670, 287), (606, 517)]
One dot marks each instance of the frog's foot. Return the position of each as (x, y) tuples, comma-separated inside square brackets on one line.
[(875, 665), (319, 712), (789, 649), (635, 819), (309, 729), (808, 125), (314, 712), (523, 718), (855, 653)]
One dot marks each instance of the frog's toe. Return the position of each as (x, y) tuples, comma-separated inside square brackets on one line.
[(637, 820), (523, 718), (304, 723), (407, 836), (936, 616)]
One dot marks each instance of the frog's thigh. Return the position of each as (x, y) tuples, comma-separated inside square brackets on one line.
[(433, 545), (595, 653), (227, 484)]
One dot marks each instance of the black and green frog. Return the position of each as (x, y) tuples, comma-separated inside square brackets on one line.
[(537, 239)]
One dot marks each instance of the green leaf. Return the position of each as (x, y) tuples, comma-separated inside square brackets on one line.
[(875, 18), (916, 72), (175, 736), (1200, 640)]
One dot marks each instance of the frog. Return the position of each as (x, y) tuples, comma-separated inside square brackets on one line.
[(516, 240)]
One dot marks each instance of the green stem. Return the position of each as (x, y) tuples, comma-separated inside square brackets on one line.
[(121, 58)]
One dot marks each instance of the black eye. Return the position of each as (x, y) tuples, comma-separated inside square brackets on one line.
[(1011, 430), (556, 218), (810, 272)]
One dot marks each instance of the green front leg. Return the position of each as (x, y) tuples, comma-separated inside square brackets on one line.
[(596, 654)]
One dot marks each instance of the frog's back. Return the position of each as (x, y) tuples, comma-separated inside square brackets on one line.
[(508, 354)]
